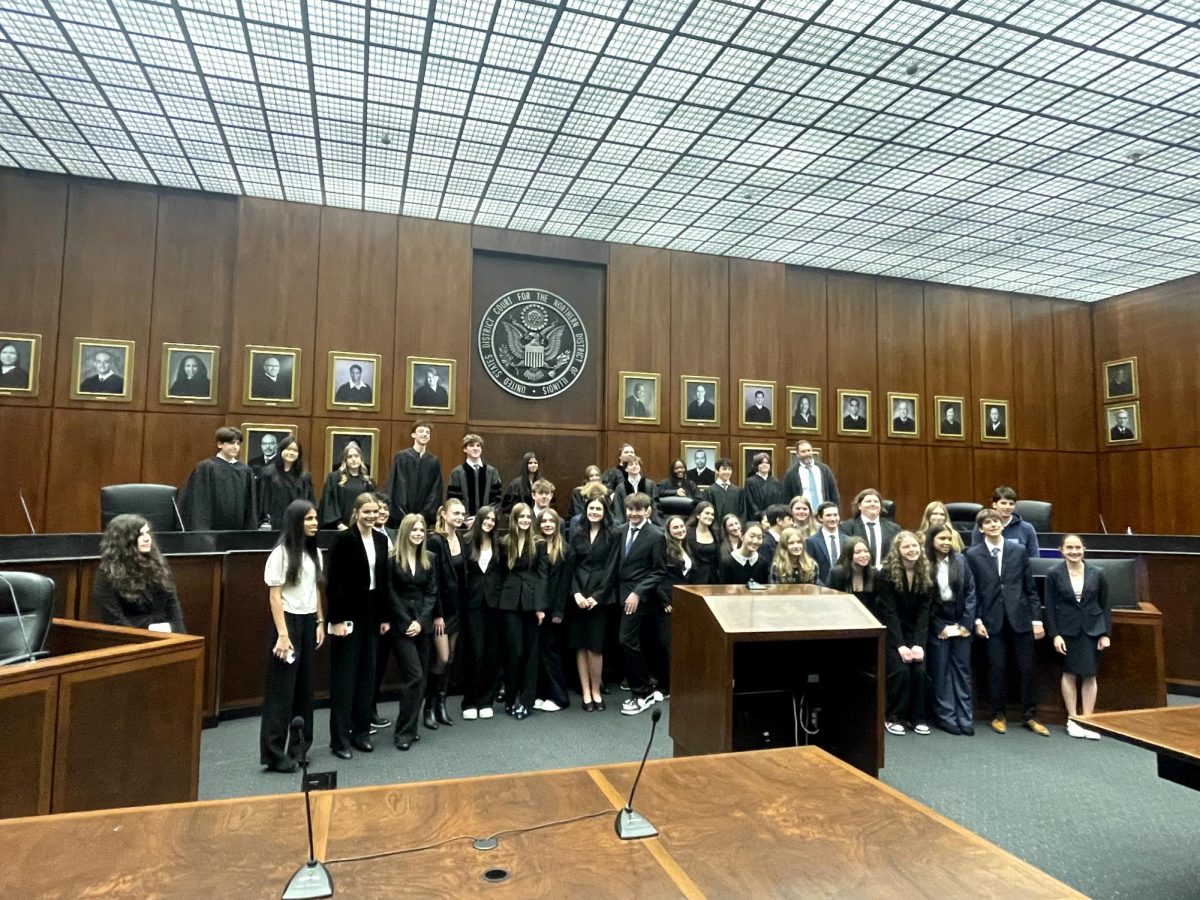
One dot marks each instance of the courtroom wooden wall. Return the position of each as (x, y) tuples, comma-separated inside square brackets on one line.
[(86, 258), (1150, 486)]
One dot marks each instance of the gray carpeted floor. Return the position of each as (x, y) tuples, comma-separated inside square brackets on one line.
[(1093, 814)]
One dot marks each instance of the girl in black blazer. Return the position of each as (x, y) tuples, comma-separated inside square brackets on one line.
[(746, 564), (904, 596), (414, 591), (1079, 621), (481, 619), (951, 621), (355, 592), (703, 545), (447, 552), (560, 563), (523, 602), (593, 595)]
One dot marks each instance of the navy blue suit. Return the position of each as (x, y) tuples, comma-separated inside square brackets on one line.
[(818, 548)]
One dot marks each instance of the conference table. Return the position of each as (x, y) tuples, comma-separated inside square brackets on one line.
[(774, 823), (1173, 733)]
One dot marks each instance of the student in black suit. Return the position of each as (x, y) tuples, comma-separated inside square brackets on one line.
[(481, 619), (613, 477), (723, 494), (356, 589), (870, 524), (220, 493), (1079, 621), (415, 484), (414, 590), (904, 588), (745, 563), (523, 605), (520, 489), (704, 544), (560, 565), (475, 483), (282, 482), (1007, 615), (813, 479), (951, 617), (678, 483), (446, 551), (826, 545), (631, 485), (778, 518), (593, 586), (342, 485), (641, 565)]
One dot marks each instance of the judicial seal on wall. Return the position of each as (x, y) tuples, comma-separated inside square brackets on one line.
[(532, 343)]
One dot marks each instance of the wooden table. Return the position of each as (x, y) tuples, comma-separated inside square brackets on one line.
[(1171, 732), (788, 822)]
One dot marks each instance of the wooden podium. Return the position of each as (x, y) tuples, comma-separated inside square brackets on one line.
[(110, 719), (749, 667)]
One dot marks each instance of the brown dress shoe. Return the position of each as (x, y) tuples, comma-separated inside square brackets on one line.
[(1037, 727), (999, 725)]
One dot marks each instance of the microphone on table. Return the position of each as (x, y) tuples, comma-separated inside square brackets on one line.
[(632, 825), (178, 517), (312, 879), (30, 654), (25, 506)]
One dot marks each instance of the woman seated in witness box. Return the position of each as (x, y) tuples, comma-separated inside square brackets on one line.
[(1078, 620), (951, 620), (791, 563), (746, 564), (134, 586)]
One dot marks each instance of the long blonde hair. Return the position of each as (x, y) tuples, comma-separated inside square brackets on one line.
[(441, 526), (893, 565), (364, 471), (555, 546), (513, 542), (404, 552), (923, 529), (786, 569)]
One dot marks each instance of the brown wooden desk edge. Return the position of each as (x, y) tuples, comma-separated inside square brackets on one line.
[(1103, 722)]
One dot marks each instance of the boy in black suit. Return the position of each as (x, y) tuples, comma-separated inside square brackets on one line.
[(818, 545), (641, 565), (1008, 613), (872, 527)]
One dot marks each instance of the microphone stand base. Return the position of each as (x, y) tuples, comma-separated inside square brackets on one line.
[(311, 880), (632, 826)]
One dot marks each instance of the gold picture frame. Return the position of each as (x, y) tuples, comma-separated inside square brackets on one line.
[(21, 374), (711, 451), (801, 420), (700, 411), (252, 453), (988, 431), (898, 426), (755, 411), (102, 370), (434, 393), (194, 386), (638, 398), (272, 376), (1121, 380), (847, 399), (336, 438), (746, 453), (1113, 426), (345, 391), (949, 428)]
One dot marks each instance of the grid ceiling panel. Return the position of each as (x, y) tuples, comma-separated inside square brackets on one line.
[(1044, 145)]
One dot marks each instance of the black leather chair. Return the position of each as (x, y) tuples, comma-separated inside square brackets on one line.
[(889, 509), (1121, 575), (154, 502), (670, 505), (1037, 513), (962, 517), (26, 608)]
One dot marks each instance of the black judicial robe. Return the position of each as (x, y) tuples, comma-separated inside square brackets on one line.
[(761, 493), (277, 489), (220, 496), (415, 485), (337, 500)]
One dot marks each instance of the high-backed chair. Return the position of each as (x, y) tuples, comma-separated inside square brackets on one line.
[(1121, 575), (26, 608), (673, 505), (888, 510), (154, 502), (962, 516), (1037, 513)]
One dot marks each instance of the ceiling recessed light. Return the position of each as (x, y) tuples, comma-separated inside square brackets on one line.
[(912, 68), (1134, 155)]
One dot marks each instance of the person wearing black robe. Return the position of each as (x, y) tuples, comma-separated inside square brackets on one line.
[(283, 481), (520, 489), (342, 486), (220, 495), (191, 379), (415, 484), (762, 489), (355, 391), (725, 496), (475, 482)]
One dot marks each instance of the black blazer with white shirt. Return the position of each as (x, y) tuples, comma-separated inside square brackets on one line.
[(1065, 615), (887, 533), (348, 579), (818, 548), (644, 564), (1007, 593)]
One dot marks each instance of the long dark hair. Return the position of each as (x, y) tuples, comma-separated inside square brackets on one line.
[(846, 561), (295, 543), (276, 469), (128, 571), (475, 534), (584, 525), (955, 577)]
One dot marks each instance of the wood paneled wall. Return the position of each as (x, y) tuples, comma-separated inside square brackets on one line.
[(83, 258), (1149, 486)]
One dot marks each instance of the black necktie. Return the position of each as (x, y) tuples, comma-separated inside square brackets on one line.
[(873, 543)]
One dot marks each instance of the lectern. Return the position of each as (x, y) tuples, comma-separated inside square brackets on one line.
[(785, 666)]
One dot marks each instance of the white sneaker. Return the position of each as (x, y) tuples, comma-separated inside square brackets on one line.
[(921, 728), (635, 705), (548, 706), (470, 714), (1091, 735), (1075, 730), (539, 704), (894, 727), (485, 712)]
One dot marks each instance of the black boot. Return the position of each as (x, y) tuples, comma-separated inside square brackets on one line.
[(439, 709), (429, 720)]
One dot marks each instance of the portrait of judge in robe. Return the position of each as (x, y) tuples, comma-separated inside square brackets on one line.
[(700, 401), (353, 381), (189, 374), (273, 373), (18, 369), (102, 370)]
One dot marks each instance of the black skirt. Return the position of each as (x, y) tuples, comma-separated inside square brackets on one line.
[(1083, 659), (586, 628)]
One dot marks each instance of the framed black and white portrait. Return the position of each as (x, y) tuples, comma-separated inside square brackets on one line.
[(20, 364), (336, 439), (1123, 423), (994, 422), (903, 421), (747, 453), (431, 386), (804, 409), (1121, 379), (639, 397), (700, 457), (757, 406), (854, 412), (951, 423), (354, 380), (102, 370), (700, 400), (189, 374), (272, 376), (260, 442)]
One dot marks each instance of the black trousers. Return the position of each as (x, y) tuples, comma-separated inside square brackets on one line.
[(642, 624), (352, 684), (521, 653), (288, 691), (552, 682), (895, 685), (481, 638), (657, 631), (912, 692), (998, 643), (411, 655)]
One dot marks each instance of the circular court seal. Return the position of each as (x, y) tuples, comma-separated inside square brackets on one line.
[(532, 343)]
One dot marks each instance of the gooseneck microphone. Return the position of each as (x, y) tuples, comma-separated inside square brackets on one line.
[(632, 825), (312, 879), (178, 517)]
